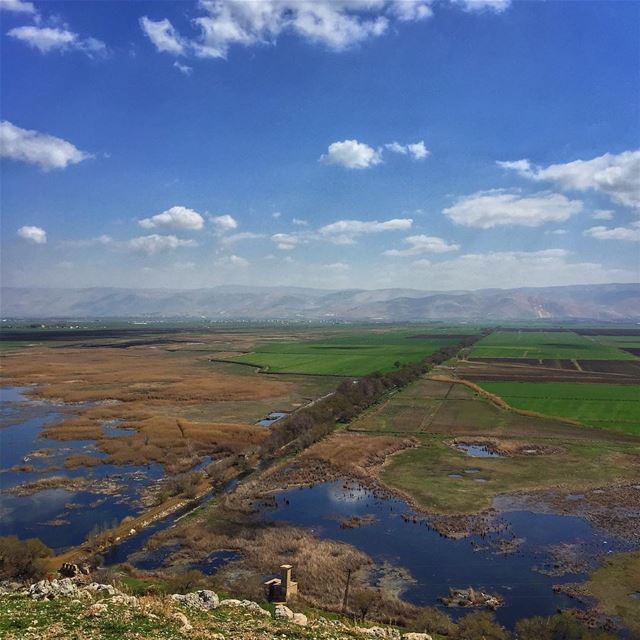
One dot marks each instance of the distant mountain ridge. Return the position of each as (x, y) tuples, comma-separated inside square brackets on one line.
[(610, 302)]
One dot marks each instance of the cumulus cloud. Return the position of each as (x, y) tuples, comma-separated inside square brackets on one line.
[(423, 244), (487, 209), (155, 243), (628, 234), (337, 25), (163, 35), (33, 147), (224, 223), (47, 39), (178, 217), (616, 176), (17, 6), (417, 150), (299, 222), (602, 214), (34, 235), (345, 231), (352, 155)]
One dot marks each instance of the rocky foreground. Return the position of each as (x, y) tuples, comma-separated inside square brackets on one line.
[(65, 609)]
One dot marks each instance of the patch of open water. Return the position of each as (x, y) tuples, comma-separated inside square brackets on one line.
[(273, 417), (478, 451), (437, 562), (59, 517)]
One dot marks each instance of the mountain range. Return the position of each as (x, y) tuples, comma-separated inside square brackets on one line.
[(608, 302)]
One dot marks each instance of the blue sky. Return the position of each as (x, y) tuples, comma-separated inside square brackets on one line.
[(428, 144)]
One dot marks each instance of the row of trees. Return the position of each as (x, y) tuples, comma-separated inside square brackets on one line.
[(351, 397)]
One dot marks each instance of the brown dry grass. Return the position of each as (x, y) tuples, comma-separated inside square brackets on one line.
[(149, 390), (141, 373)]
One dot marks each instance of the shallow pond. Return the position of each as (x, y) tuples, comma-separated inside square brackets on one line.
[(478, 450), (59, 517), (438, 563), (273, 417)]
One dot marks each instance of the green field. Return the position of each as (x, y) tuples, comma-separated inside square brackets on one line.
[(607, 406), (356, 354), (550, 345)]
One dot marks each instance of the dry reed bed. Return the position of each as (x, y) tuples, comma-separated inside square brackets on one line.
[(146, 389)]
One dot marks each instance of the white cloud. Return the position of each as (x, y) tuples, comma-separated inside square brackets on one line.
[(154, 244), (602, 214), (299, 222), (336, 24), (351, 154), (276, 214), (629, 234), (417, 150), (224, 223), (17, 6), (34, 235), (483, 5), (233, 261), (183, 68), (163, 35), (423, 244), (47, 39), (177, 217), (487, 209), (285, 241), (37, 148), (558, 232), (617, 176), (345, 231)]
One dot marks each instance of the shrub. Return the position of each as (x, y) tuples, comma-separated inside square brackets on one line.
[(431, 620), (480, 625), (186, 581), (22, 559)]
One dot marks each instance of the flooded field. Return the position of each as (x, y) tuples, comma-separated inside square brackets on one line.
[(79, 500), (515, 562)]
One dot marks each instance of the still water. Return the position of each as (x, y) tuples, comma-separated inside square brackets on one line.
[(438, 563)]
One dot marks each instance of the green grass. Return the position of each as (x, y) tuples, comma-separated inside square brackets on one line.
[(607, 406), (548, 345), (614, 583), (423, 472), (356, 354)]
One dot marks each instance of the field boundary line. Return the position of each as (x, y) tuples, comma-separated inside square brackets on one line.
[(503, 404)]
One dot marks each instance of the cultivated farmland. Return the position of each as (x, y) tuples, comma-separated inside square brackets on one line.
[(548, 345), (607, 406), (355, 354)]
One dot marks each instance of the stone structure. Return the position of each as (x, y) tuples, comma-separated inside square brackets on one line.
[(283, 588)]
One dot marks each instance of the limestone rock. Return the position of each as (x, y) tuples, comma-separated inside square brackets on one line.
[(203, 599), (300, 618), (416, 636), (283, 612), (45, 590)]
